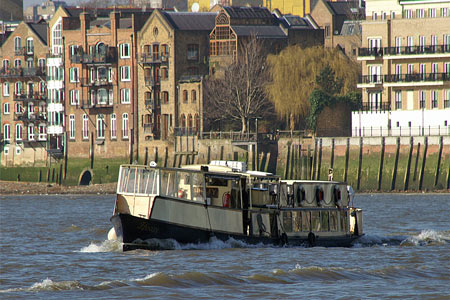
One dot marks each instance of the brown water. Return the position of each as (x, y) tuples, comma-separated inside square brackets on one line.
[(55, 247)]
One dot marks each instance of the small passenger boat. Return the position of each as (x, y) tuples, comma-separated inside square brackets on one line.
[(224, 200)]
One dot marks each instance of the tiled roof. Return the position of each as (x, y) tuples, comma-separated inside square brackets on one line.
[(191, 21), (248, 12), (344, 7), (40, 30)]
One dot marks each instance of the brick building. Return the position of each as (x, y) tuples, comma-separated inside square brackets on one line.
[(172, 55), (100, 82), (23, 95), (405, 69)]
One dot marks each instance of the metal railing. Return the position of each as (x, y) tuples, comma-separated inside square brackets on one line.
[(370, 79), (22, 72), (153, 58), (370, 51), (98, 58), (417, 77), (401, 131), (409, 50), (375, 106)]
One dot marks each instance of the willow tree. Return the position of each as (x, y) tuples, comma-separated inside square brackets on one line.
[(293, 75), (239, 95)]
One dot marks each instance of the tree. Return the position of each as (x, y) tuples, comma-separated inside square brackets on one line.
[(293, 75), (239, 95)]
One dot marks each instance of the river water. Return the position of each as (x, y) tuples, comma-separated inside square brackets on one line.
[(55, 247)]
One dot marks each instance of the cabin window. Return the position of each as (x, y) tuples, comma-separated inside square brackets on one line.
[(214, 181), (138, 180)]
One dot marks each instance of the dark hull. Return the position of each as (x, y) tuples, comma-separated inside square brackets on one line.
[(135, 232)]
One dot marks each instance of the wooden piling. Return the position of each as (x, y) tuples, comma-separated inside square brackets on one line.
[(155, 154), (347, 154), (332, 154), (380, 168), (221, 152), (438, 164), (424, 160), (286, 169), (300, 162), (40, 176), (408, 165), (146, 156), (314, 165), (394, 171), (319, 163), (358, 179), (208, 157), (166, 156), (417, 162), (308, 169), (60, 174)]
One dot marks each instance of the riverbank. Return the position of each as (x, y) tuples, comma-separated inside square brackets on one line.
[(35, 188)]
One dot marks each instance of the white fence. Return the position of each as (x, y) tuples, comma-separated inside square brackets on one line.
[(401, 131)]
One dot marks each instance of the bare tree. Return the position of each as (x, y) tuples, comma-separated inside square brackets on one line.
[(239, 95)]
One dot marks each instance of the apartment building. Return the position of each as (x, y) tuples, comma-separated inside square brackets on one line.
[(405, 57), (23, 95), (100, 82), (172, 54)]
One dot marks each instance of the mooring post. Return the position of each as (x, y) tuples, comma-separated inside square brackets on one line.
[(319, 164), (332, 154), (314, 165), (60, 174), (146, 156), (300, 162), (438, 164), (408, 165), (155, 154), (358, 180), (208, 157), (166, 156), (417, 162), (221, 152), (424, 160), (286, 168), (347, 153), (308, 167), (380, 168), (394, 171)]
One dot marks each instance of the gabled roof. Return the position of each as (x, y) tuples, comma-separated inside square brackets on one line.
[(344, 7), (40, 30), (191, 21)]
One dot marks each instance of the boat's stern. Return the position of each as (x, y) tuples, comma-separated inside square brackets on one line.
[(356, 221)]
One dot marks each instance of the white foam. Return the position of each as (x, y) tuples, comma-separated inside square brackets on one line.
[(147, 277), (105, 246)]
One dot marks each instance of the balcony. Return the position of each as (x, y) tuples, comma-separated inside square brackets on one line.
[(416, 79), (154, 58), (23, 96), (109, 57), (22, 72), (370, 52), (95, 104), (367, 81), (38, 117), (151, 81), (373, 107), (409, 51), (95, 82)]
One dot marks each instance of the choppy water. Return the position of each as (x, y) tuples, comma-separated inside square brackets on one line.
[(55, 247)]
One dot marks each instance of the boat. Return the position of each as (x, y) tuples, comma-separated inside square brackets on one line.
[(224, 200)]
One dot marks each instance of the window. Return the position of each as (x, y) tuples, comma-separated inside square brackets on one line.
[(164, 73), (73, 50), (7, 132), (374, 15), (125, 125), (185, 96), (6, 108), (383, 15), (392, 15), (410, 69), (422, 99), (102, 96), (124, 50), (18, 88), (434, 99), (446, 39), (110, 97), (398, 100), (447, 68), (42, 87), (74, 75), (444, 12), (110, 74), (92, 76), (408, 14), (113, 126), (165, 97), (5, 64), (30, 132), (30, 46), (72, 127), (446, 98), (100, 126), (17, 63), (125, 73), (432, 12), (422, 43), (434, 42), (193, 95), (375, 101), (192, 52), (57, 38), (18, 132), (423, 71), (85, 127), (420, 13), (74, 97), (41, 64), (5, 89), (375, 74), (327, 31), (102, 74), (125, 96), (17, 44)]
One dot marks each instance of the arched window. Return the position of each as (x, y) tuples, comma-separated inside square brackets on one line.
[(185, 96), (165, 97), (113, 126), (30, 63), (18, 88), (193, 95), (125, 125), (100, 48), (18, 132), (85, 126), (7, 132), (57, 38), (30, 45), (17, 63), (17, 44), (5, 89)]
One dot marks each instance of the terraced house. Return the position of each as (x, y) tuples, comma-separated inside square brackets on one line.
[(99, 56), (23, 95), (405, 59)]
